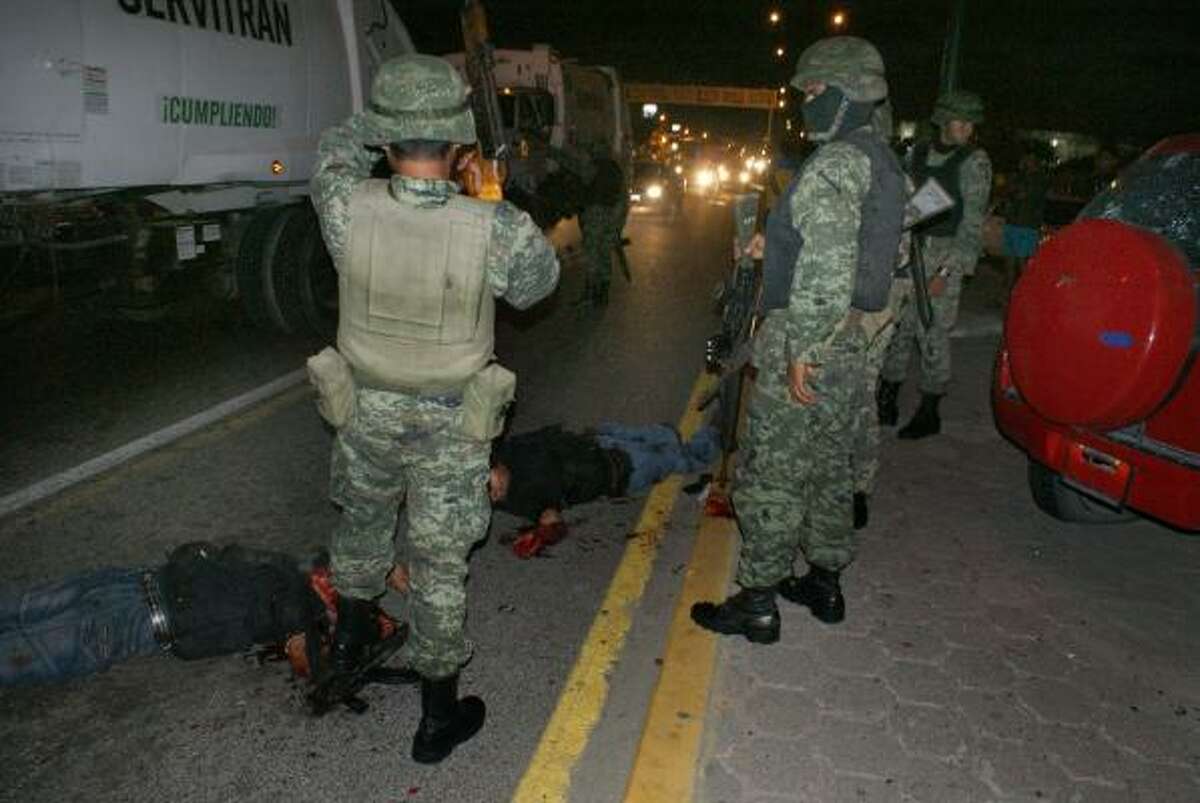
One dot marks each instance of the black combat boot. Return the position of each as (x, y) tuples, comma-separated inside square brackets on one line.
[(356, 631), (885, 402), (446, 721), (820, 591), (860, 510), (926, 421), (751, 612)]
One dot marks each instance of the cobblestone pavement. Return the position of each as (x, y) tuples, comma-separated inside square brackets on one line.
[(989, 653)]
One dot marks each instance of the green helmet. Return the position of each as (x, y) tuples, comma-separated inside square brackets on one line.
[(957, 104), (851, 64), (418, 97)]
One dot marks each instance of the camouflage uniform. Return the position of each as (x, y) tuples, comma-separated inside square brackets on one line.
[(602, 223), (794, 484), (879, 328), (405, 446), (955, 257)]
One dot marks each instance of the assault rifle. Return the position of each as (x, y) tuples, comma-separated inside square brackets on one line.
[(727, 352), (488, 182), (342, 688)]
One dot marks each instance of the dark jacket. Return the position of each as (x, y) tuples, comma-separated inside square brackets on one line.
[(551, 467)]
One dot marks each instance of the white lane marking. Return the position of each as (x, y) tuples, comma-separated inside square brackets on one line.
[(84, 471)]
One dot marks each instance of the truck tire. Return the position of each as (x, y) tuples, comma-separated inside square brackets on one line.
[(279, 256), (304, 279), (1057, 499), (253, 291)]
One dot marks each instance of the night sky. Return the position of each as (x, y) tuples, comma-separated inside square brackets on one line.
[(1120, 70)]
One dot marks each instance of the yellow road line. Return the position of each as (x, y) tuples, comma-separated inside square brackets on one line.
[(547, 779), (665, 765)]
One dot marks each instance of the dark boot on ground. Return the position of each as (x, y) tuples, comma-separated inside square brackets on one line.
[(926, 422), (751, 613), (356, 630), (861, 513), (885, 402), (820, 591), (446, 721)]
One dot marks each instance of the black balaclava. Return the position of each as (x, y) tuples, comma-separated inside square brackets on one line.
[(831, 113)]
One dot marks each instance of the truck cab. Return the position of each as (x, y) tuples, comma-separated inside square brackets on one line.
[(1097, 378)]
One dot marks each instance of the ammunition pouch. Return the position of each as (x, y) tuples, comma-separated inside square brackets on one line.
[(330, 374), (485, 402)]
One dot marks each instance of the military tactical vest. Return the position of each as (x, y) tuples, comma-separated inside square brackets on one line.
[(945, 224), (878, 231), (416, 309)]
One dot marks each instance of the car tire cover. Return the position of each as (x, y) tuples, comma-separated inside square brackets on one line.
[(1101, 324)]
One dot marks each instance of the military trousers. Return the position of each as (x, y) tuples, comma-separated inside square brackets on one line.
[(933, 344), (879, 328), (601, 228), (794, 485), (399, 449)]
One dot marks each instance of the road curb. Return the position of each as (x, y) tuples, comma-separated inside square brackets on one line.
[(664, 767)]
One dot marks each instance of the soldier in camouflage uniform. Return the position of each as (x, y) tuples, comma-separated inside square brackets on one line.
[(879, 328), (794, 485), (952, 244), (601, 223), (419, 266)]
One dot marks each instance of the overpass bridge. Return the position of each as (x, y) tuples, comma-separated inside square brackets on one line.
[(728, 97)]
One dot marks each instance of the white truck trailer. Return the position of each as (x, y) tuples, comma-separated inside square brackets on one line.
[(151, 149)]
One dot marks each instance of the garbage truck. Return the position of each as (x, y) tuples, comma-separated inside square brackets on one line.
[(151, 150)]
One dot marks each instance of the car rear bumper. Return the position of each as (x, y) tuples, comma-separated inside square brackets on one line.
[(1116, 473)]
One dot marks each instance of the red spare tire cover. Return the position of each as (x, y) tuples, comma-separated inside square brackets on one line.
[(1101, 324)]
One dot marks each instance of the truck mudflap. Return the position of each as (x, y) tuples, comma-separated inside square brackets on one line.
[(1118, 474)]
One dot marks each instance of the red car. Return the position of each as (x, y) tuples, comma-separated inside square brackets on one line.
[(1098, 375)]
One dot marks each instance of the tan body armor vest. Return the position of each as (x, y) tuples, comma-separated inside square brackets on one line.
[(416, 308)]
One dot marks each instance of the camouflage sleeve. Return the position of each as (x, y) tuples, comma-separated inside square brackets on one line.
[(826, 209), (521, 264), (342, 162), (975, 182)]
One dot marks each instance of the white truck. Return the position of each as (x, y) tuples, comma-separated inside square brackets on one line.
[(555, 112), (150, 149)]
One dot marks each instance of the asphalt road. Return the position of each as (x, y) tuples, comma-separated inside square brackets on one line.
[(230, 728), (990, 654)]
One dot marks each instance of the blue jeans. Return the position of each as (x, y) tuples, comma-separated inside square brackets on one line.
[(74, 627), (655, 451)]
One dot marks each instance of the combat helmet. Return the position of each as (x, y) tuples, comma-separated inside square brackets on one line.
[(418, 97), (957, 104), (851, 64)]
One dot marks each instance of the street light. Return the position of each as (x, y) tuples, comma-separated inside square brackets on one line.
[(839, 19), (779, 52), (775, 17)]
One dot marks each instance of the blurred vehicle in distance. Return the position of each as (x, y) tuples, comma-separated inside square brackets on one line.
[(658, 187)]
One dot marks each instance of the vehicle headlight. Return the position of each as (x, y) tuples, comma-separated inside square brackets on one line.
[(760, 165), (750, 163), (654, 191), (723, 172), (705, 178), (744, 177)]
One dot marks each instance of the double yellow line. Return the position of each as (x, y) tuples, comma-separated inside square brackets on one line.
[(665, 764)]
